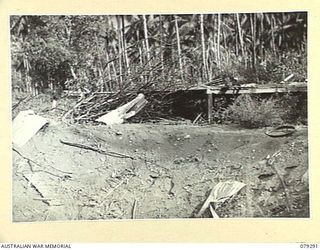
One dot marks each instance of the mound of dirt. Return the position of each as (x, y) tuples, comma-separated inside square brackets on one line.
[(156, 171)]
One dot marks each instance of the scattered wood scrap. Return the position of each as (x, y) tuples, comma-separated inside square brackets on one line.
[(66, 175), (118, 115), (95, 104), (197, 118), (96, 149)]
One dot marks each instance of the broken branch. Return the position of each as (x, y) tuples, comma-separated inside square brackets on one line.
[(29, 161), (95, 149)]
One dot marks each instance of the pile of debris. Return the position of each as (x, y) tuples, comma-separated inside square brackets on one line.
[(119, 106), (151, 102)]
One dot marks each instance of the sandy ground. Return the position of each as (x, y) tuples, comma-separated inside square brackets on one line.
[(156, 171)]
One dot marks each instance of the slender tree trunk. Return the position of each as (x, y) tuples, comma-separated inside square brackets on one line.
[(109, 84), (209, 71), (273, 45), (261, 42), (119, 53), (282, 26), (141, 57), (124, 44), (203, 48), (27, 75), (253, 42), (161, 46), (115, 75), (68, 29), (215, 39), (179, 46), (28, 83), (140, 50), (109, 73), (100, 68), (218, 40), (117, 69), (241, 40), (210, 59), (146, 38), (236, 37), (227, 53)]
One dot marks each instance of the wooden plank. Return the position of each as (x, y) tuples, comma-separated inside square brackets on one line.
[(210, 104), (256, 90)]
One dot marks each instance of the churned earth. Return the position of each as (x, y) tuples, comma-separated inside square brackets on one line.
[(156, 170)]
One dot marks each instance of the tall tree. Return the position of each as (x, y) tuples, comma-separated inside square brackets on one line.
[(204, 59), (146, 38), (178, 46)]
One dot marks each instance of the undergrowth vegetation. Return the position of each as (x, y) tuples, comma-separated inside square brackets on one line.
[(253, 113), (257, 112), (294, 108)]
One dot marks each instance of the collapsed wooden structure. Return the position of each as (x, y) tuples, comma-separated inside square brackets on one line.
[(98, 104), (271, 88)]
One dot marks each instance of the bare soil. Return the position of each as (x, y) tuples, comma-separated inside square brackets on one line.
[(156, 171)]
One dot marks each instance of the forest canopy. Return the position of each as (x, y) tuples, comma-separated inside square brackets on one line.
[(109, 53)]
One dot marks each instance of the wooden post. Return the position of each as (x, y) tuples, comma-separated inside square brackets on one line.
[(210, 104)]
